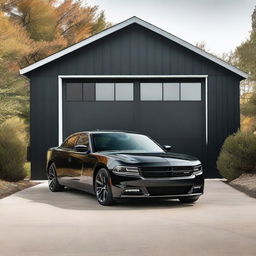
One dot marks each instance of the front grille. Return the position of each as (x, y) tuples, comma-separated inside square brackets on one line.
[(166, 172), (162, 191)]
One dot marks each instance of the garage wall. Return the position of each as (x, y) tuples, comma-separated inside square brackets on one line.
[(131, 51)]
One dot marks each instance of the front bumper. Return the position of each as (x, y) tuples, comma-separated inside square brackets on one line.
[(174, 187)]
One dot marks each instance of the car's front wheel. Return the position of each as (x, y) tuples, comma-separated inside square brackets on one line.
[(53, 182), (188, 200), (102, 187)]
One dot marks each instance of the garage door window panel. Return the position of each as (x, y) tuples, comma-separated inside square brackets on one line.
[(74, 91), (89, 91), (190, 91), (105, 92), (171, 91), (151, 91), (124, 91)]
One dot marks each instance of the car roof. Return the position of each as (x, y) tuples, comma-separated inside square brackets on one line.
[(105, 131)]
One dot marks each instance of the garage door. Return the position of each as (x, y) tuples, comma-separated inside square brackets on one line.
[(170, 111)]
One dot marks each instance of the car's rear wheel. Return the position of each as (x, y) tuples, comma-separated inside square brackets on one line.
[(53, 182), (102, 188), (188, 200)]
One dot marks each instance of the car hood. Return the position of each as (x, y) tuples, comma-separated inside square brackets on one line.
[(157, 159)]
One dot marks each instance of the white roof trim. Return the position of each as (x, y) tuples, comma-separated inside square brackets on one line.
[(125, 24)]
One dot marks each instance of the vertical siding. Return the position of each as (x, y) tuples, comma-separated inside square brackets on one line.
[(131, 51)]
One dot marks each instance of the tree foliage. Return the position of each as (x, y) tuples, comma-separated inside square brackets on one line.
[(245, 58), (249, 108), (31, 30), (14, 45), (245, 54), (77, 21)]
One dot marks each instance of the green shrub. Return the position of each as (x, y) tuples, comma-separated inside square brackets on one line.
[(238, 155), (12, 150)]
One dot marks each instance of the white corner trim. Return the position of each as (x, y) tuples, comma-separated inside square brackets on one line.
[(60, 95), (125, 24), (60, 111), (206, 110)]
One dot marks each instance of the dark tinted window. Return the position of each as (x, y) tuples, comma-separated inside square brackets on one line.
[(74, 91), (70, 142), (88, 91), (124, 142), (83, 140)]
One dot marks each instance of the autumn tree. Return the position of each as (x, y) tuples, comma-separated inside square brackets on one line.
[(31, 30), (14, 45), (53, 24), (77, 21)]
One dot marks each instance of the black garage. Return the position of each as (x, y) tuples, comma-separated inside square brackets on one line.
[(134, 76)]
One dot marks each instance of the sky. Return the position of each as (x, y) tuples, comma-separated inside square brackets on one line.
[(221, 24)]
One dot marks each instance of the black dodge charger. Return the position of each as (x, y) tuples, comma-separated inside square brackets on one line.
[(116, 164)]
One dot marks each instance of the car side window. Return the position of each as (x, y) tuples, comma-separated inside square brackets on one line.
[(83, 140), (70, 142)]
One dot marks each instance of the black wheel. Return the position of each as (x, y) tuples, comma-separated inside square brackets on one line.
[(54, 185), (188, 200), (103, 188)]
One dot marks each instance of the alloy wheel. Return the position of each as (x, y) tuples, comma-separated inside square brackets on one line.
[(102, 187), (52, 179)]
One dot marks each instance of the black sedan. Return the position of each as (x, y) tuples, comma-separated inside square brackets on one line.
[(116, 164)]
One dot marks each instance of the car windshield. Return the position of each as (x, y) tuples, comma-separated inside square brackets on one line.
[(124, 142)]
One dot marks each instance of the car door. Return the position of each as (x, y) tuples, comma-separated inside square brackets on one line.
[(83, 164), (63, 160)]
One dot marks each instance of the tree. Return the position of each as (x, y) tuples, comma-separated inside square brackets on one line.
[(245, 56), (77, 21), (38, 17), (53, 24), (100, 23), (14, 44), (246, 52), (249, 108), (31, 30)]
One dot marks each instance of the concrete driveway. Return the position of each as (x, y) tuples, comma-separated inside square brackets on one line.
[(37, 222)]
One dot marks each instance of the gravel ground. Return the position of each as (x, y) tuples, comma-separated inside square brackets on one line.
[(246, 183), (7, 188)]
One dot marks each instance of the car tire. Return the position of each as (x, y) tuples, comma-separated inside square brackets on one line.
[(102, 187), (188, 200), (53, 182)]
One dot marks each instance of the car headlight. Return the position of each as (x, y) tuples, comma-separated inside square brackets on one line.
[(126, 170), (198, 170)]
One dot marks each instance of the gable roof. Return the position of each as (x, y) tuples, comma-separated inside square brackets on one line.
[(124, 24)]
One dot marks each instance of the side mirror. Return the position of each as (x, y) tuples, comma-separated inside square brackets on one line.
[(81, 148), (167, 147)]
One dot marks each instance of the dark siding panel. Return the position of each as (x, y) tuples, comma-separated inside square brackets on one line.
[(133, 50), (142, 53), (44, 126)]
